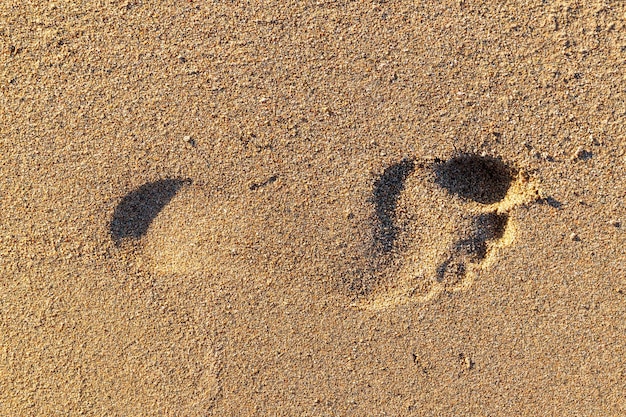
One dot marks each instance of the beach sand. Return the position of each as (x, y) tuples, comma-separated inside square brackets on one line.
[(213, 208)]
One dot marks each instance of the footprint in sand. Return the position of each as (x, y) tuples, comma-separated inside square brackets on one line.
[(156, 225), (174, 227), (437, 224)]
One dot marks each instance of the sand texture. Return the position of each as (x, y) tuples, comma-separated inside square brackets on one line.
[(326, 208)]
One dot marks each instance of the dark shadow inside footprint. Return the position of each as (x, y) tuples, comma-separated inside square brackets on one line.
[(451, 271), (387, 189), (135, 212), (487, 227), (490, 226), (479, 178)]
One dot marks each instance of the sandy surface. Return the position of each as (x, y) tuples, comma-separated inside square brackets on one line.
[(312, 208)]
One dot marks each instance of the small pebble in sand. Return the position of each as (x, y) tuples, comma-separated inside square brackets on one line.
[(466, 361), (190, 140), (616, 223), (574, 237), (581, 154)]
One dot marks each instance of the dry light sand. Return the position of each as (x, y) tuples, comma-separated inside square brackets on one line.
[(326, 208)]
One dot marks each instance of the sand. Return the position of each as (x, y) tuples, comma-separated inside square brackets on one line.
[(312, 208)]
